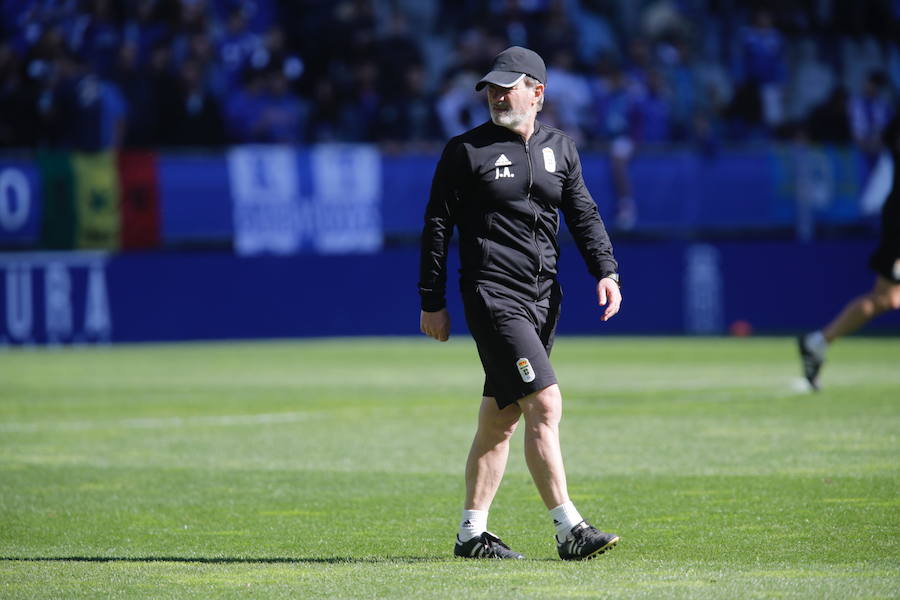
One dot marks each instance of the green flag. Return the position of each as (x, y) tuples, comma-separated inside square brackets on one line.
[(59, 221)]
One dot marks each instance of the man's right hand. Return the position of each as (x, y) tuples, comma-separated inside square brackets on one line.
[(436, 324)]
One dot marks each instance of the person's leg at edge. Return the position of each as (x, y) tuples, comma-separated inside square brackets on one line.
[(486, 463), (884, 296)]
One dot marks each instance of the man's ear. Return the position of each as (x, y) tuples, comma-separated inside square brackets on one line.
[(538, 94)]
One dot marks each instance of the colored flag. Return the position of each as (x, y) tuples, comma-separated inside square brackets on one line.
[(59, 221), (139, 200), (96, 200)]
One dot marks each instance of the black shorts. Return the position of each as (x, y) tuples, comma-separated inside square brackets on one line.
[(514, 339), (886, 259), (886, 265)]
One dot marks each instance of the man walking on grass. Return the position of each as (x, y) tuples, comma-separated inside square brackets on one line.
[(502, 185)]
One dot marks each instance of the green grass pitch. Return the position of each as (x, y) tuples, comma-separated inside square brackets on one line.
[(334, 469)]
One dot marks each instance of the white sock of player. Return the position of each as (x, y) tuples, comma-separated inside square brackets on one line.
[(474, 523), (817, 343), (565, 517)]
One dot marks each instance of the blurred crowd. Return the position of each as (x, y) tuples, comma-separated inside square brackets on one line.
[(95, 74)]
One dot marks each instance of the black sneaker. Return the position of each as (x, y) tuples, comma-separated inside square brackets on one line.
[(486, 545), (812, 362), (585, 542)]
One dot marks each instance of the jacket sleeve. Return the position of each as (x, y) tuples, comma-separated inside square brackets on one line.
[(440, 217), (584, 222)]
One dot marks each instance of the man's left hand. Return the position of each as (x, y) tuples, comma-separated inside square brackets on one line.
[(609, 295)]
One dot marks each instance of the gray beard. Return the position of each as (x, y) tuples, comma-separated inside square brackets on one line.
[(508, 118)]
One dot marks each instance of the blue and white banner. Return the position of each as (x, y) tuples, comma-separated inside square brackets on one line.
[(266, 199), (703, 300), (19, 203), (674, 288), (347, 198), (54, 298), (276, 211)]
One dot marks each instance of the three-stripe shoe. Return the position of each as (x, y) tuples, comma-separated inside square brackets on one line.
[(486, 545), (585, 542)]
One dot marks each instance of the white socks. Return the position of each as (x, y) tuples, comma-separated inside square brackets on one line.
[(817, 343), (473, 524), (565, 517)]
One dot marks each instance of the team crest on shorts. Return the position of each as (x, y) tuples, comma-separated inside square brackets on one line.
[(897, 270), (525, 370)]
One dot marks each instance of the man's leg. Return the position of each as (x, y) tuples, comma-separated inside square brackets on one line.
[(484, 470), (489, 452), (883, 297), (543, 412), (576, 539)]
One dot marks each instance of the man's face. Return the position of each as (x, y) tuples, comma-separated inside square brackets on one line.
[(511, 106)]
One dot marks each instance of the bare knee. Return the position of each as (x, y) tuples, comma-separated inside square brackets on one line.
[(885, 300), (885, 296), (893, 298), (542, 409), (504, 428), (498, 424)]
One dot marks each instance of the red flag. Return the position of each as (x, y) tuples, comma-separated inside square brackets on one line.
[(139, 200)]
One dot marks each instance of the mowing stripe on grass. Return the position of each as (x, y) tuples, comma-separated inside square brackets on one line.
[(159, 423)]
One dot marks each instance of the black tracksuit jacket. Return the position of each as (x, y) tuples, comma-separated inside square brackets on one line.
[(504, 195)]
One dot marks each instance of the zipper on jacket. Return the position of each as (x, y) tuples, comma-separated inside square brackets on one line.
[(537, 248)]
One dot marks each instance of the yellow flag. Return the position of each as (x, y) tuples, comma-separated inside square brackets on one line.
[(96, 200)]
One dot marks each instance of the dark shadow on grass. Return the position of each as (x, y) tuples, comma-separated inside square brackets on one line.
[(224, 559)]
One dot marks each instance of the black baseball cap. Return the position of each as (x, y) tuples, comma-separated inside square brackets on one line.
[(511, 65)]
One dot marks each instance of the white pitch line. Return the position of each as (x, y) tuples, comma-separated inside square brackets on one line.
[(159, 422)]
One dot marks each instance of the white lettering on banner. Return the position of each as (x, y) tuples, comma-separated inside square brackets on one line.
[(342, 228), (67, 278), (263, 172), (15, 199), (97, 322), (58, 302), (262, 227), (18, 302), (815, 189), (346, 198), (703, 290), (346, 173), (265, 199), (815, 178), (342, 215)]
